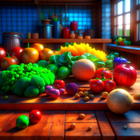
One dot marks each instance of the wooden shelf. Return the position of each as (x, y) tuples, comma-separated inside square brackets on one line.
[(62, 40), (130, 49), (48, 2)]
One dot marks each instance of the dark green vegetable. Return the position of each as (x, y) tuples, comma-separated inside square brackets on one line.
[(116, 54), (46, 78), (110, 56), (21, 85), (42, 90), (37, 81), (16, 79), (109, 64), (31, 91), (42, 63)]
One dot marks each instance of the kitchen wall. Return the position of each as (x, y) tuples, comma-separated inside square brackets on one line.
[(106, 19), (24, 19)]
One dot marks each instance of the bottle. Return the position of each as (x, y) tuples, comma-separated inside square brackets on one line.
[(74, 25), (66, 32), (72, 35)]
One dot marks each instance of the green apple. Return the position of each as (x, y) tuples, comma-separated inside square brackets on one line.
[(22, 122)]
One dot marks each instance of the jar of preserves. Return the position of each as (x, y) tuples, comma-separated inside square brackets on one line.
[(72, 35), (87, 37), (80, 37)]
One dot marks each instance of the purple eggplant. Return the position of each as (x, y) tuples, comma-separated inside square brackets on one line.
[(119, 60)]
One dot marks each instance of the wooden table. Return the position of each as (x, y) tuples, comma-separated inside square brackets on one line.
[(64, 102), (55, 125)]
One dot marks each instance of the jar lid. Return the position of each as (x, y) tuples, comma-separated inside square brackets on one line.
[(72, 31)]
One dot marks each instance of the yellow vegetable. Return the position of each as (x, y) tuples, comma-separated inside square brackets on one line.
[(80, 49)]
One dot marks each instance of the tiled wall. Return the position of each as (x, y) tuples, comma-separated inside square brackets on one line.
[(20, 19), (24, 19), (82, 14), (106, 19)]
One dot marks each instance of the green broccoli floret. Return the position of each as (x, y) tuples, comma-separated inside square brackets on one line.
[(46, 78), (21, 85), (42, 90), (37, 81), (31, 91)]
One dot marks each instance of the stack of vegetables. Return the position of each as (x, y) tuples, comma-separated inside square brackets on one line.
[(81, 49), (27, 80), (121, 41), (66, 60)]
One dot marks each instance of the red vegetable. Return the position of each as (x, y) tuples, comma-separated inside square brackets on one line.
[(97, 85), (35, 116), (2, 53), (109, 85), (105, 71), (8, 61), (125, 75), (16, 51), (59, 84)]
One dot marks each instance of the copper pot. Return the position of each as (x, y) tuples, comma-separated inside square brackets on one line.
[(10, 40)]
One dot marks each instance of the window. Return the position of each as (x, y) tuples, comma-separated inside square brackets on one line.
[(138, 21), (121, 18)]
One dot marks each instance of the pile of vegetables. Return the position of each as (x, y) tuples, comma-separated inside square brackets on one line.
[(81, 49), (25, 79), (121, 41), (67, 60), (113, 60)]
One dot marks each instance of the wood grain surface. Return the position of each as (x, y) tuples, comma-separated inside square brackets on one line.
[(55, 125), (62, 40), (64, 102)]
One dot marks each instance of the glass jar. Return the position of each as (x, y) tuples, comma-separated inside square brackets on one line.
[(72, 35)]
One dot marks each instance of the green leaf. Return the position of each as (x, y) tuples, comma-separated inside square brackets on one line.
[(65, 57)]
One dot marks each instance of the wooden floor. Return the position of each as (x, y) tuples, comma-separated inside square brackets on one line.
[(56, 126)]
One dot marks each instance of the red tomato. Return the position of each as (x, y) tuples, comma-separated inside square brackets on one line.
[(16, 51), (8, 61), (122, 43), (114, 42), (59, 84), (109, 85), (2, 53), (97, 85), (125, 75), (105, 71), (35, 116)]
